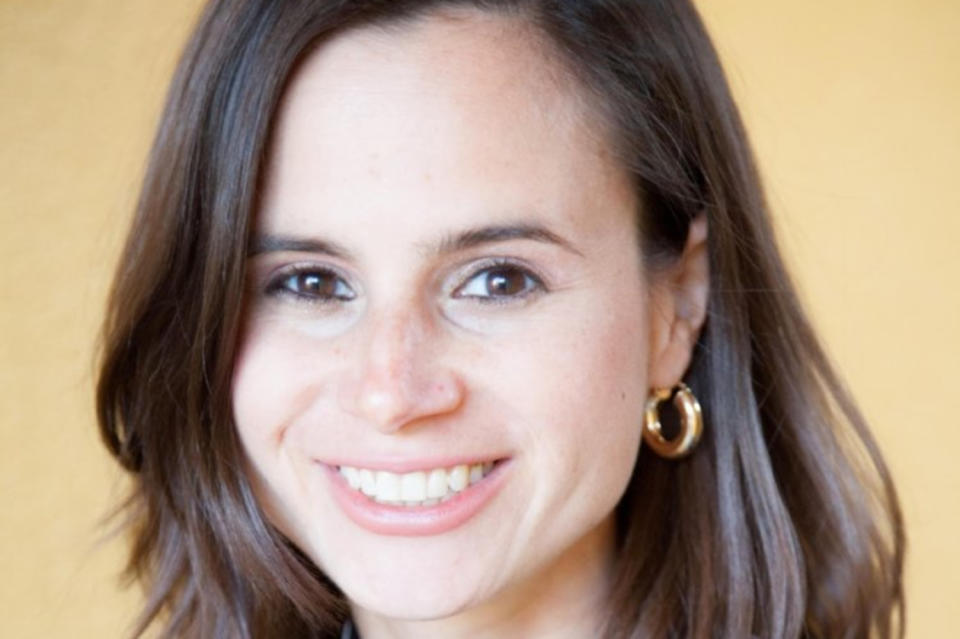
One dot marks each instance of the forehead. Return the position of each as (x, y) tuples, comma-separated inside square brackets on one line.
[(452, 115)]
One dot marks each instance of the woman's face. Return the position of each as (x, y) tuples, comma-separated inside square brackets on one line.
[(445, 282)]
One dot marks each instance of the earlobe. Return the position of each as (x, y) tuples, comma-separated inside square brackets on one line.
[(681, 297)]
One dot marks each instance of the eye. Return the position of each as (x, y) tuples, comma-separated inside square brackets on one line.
[(313, 285), (500, 282)]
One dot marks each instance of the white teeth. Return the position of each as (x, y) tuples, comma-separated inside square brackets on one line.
[(413, 486), (388, 486), (352, 475), (437, 484), (368, 482), (458, 478), (418, 488)]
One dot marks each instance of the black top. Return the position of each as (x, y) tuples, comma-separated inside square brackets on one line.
[(348, 631)]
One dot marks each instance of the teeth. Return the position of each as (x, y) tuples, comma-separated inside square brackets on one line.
[(437, 484), (476, 473), (352, 475), (457, 478), (419, 488), (413, 487), (388, 486), (368, 483)]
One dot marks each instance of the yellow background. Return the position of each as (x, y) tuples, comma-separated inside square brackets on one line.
[(854, 109)]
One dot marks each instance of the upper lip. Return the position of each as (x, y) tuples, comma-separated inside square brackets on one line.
[(407, 464)]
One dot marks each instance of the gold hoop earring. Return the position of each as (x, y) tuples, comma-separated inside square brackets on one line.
[(691, 422)]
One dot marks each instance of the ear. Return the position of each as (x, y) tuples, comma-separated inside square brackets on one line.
[(678, 307)]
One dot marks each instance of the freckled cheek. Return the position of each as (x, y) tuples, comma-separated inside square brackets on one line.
[(585, 393)]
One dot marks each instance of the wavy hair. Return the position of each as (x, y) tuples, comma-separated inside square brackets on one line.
[(784, 523)]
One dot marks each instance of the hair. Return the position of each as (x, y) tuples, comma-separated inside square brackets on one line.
[(783, 523)]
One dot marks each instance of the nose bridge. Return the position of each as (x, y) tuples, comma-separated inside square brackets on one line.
[(397, 338), (401, 376)]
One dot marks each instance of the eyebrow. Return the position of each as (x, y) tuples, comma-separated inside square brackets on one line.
[(494, 233), (450, 243), (278, 243)]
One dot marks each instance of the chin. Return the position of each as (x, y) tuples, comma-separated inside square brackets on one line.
[(423, 602), (413, 580)]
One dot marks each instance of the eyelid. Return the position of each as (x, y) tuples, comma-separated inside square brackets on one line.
[(273, 282), (476, 268)]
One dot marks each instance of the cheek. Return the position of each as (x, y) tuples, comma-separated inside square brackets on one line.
[(276, 378), (275, 384), (607, 399), (582, 385), (260, 387)]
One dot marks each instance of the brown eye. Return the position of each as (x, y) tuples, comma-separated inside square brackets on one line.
[(315, 285), (506, 281)]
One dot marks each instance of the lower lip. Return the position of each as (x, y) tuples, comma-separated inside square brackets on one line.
[(385, 519)]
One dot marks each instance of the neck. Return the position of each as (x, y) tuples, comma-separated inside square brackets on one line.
[(565, 599)]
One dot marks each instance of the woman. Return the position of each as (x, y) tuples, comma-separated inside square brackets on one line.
[(410, 287)]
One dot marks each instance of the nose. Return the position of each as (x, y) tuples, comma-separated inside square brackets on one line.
[(399, 378)]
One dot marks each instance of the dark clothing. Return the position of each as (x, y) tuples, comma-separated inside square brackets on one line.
[(348, 631)]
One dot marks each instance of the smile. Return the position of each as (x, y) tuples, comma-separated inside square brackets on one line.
[(417, 488), (430, 501)]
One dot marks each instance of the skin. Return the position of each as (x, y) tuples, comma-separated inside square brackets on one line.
[(388, 142)]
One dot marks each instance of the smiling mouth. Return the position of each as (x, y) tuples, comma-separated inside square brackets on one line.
[(418, 488)]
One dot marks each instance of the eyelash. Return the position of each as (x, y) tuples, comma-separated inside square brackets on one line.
[(280, 284), (533, 283)]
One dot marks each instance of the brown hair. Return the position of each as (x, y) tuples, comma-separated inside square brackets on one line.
[(783, 523)]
